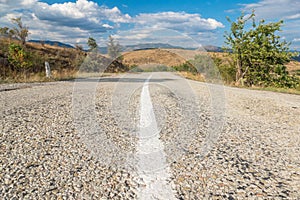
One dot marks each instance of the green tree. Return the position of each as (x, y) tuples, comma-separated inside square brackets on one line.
[(92, 44), (19, 58), (4, 31), (20, 31), (258, 52), (113, 48)]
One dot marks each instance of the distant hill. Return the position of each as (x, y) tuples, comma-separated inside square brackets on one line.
[(127, 48), (211, 48), (150, 46), (142, 46), (145, 46), (297, 58), (53, 43)]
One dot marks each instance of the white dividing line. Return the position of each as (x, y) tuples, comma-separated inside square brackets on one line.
[(152, 166)]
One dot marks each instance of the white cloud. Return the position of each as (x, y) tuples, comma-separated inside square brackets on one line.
[(7, 6), (28, 2), (270, 10), (73, 22), (296, 16), (176, 28), (160, 35), (179, 21), (67, 22), (85, 14), (296, 40), (107, 26)]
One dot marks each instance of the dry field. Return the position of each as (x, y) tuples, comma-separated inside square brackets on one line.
[(152, 56), (175, 57)]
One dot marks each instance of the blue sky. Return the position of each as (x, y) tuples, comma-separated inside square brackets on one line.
[(189, 23)]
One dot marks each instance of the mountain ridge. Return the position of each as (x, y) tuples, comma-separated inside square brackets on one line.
[(126, 48)]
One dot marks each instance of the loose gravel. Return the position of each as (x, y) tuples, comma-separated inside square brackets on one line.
[(43, 155), (257, 155)]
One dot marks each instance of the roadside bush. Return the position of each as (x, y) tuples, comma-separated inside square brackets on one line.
[(186, 67), (136, 69), (283, 79), (157, 68), (203, 63), (226, 69), (19, 59), (227, 73)]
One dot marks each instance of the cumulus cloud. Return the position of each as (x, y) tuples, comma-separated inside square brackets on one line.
[(185, 29), (7, 6), (296, 40), (75, 21), (295, 16), (269, 9), (161, 35), (179, 21), (87, 15), (62, 21)]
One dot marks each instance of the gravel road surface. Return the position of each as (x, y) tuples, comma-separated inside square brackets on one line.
[(79, 140)]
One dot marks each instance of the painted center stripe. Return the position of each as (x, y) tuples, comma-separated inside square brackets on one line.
[(152, 166)]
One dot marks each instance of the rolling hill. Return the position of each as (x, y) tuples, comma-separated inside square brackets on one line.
[(52, 43)]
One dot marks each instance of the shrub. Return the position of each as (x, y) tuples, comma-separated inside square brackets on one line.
[(19, 58), (185, 67)]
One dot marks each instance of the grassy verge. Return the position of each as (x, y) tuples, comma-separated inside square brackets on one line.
[(62, 76), (192, 76), (280, 90), (39, 77), (199, 77)]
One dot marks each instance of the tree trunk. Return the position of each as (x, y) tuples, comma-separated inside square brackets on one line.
[(239, 72)]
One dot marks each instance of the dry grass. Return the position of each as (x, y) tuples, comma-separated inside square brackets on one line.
[(40, 77), (195, 77), (167, 57), (273, 89), (63, 62), (294, 68), (151, 56)]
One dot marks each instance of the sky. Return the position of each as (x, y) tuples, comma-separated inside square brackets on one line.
[(186, 23)]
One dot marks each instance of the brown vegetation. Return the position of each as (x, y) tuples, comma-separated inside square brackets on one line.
[(64, 62), (175, 57), (152, 56)]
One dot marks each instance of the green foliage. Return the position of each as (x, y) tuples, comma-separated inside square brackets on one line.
[(186, 67), (202, 63), (227, 70), (154, 68), (19, 58), (205, 65), (4, 30), (94, 63), (92, 44), (258, 52), (113, 48), (283, 79), (158, 68), (135, 68)]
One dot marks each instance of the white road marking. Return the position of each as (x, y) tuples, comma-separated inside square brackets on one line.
[(152, 166)]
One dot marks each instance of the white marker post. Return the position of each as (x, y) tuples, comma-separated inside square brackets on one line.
[(48, 70)]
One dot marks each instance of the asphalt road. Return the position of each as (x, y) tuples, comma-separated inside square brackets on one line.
[(147, 136)]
